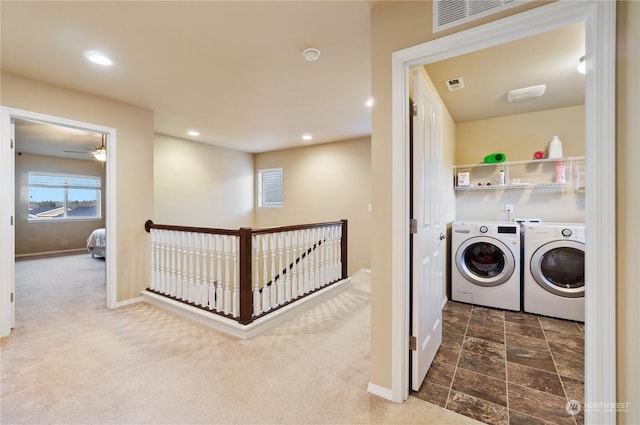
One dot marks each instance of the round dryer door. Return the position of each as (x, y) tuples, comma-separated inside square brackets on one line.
[(485, 261), (558, 267)]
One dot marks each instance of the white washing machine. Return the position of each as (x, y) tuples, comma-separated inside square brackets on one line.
[(485, 264), (553, 278)]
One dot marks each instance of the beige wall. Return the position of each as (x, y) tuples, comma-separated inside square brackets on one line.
[(196, 184), (628, 205), (397, 25), (134, 164), (518, 137), (33, 238), (325, 183)]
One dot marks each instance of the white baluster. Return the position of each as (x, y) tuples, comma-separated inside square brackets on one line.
[(178, 242), (197, 253), (287, 275), (281, 279), (163, 261), (273, 299), (227, 280), (219, 293), (172, 263), (305, 234), (212, 271), (205, 280), (266, 299), (299, 263), (185, 266), (314, 259)]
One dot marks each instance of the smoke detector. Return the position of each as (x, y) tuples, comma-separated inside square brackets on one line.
[(455, 83), (526, 93), (311, 54)]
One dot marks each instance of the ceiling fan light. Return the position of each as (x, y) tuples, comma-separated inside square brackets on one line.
[(100, 155)]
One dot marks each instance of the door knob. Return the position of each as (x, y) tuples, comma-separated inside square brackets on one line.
[(443, 236)]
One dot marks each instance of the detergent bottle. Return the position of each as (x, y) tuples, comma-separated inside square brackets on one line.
[(555, 148)]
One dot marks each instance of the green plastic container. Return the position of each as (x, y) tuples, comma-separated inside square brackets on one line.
[(495, 157)]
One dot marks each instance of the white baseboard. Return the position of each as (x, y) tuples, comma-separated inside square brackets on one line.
[(53, 253), (385, 393), (232, 327), (444, 301), (129, 302)]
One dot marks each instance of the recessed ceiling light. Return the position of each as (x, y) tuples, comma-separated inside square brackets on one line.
[(193, 133), (306, 137), (98, 58), (369, 102)]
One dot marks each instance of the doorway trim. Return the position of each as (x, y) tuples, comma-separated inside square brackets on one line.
[(599, 18), (7, 158)]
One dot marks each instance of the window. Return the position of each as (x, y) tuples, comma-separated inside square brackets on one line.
[(54, 197), (270, 188)]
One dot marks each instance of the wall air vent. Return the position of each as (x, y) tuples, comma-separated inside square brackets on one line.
[(450, 13)]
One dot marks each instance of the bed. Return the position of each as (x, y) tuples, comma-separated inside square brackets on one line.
[(97, 243)]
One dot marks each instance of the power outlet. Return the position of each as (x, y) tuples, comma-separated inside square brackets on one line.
[(508, 208)]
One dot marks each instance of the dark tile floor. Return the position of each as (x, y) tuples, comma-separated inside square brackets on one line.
[(503, 367)]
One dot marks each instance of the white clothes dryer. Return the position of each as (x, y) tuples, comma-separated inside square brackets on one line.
[(485, 264), (553, 278)]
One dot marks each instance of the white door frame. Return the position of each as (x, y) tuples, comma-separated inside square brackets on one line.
[(7, 197), (600, 341)]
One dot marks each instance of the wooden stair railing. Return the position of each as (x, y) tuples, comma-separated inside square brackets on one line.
[(191, 266)]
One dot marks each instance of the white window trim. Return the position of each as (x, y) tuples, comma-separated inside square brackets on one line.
[(259, 188)]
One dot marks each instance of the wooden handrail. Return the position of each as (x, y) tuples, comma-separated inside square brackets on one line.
[(148, 225)]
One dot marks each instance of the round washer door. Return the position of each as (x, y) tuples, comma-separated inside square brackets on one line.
[(485, 261), (558, 267)]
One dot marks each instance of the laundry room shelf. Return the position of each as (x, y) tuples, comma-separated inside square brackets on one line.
[(530, 174)]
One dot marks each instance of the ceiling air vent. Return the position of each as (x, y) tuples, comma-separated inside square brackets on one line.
[(455, 84), (450, 13)]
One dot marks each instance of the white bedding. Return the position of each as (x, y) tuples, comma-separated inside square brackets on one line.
[(97, 243)]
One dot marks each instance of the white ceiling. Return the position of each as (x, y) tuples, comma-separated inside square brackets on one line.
[(235, 70)]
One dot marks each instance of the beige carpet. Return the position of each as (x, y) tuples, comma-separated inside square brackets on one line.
[(70, 360)]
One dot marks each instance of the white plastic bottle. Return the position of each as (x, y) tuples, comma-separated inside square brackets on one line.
[(561, 172), (555, 148)]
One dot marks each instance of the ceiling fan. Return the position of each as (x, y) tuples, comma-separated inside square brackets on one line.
[(99, 152)]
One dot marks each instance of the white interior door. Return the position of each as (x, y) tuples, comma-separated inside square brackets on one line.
[(429, 247), (7, 226)]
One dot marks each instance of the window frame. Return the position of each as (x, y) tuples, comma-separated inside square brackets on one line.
[(65, 187), (260, 194)]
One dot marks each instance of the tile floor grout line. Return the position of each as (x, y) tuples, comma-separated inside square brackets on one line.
[(506, 366), (553, 358), (455, 369)]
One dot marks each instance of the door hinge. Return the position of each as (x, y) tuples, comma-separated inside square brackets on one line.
[(11, 144), (414, 109), (412, 343), (11, 220), (413, 225), (12, 297)]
